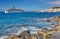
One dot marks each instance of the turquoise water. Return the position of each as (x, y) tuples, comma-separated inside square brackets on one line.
[(13, 22)]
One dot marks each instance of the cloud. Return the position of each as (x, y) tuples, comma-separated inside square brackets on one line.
[(56, 2)]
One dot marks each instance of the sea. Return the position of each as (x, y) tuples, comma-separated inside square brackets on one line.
[(15, 23)]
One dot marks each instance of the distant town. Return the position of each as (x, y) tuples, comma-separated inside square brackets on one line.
[(53, 9)]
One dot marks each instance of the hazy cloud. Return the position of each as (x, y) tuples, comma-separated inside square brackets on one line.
[(56, 2)]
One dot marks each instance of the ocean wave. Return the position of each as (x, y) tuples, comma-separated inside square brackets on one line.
[(17, 28), (17, 31), (33, 30)]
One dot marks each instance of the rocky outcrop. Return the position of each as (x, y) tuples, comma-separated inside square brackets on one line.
[(27, 35), (23, 35)]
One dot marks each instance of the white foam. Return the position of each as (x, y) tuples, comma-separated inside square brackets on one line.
[(3, 37), (33, 30), (21, 30)]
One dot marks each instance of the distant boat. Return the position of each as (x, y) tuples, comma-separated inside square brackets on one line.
[(13, 10), (6, 11)]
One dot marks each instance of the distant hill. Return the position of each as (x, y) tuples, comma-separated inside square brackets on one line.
[(13, 9)]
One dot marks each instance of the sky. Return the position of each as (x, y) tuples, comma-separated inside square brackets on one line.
[(29, 4)]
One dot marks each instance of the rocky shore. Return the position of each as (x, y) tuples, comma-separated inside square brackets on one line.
[(52, 32), (27, 35), (23, 35)]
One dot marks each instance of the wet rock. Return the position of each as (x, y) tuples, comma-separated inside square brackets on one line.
[(23, 35), (34, 36)]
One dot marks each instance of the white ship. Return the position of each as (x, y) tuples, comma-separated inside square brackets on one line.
[(13, 10)]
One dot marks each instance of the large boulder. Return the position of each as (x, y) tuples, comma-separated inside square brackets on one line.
[(56, 35)]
